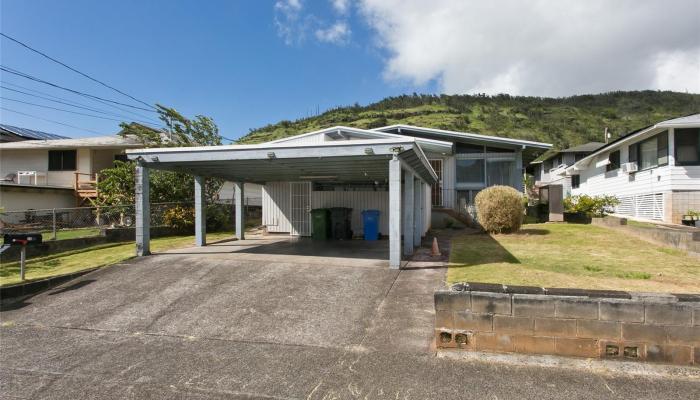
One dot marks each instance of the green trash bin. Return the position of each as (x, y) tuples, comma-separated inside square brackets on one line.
[(321, 222)]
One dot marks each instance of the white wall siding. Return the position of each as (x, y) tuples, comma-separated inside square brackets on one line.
[(358, 201), (595, 181)]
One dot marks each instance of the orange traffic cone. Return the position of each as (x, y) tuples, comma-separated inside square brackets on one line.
[(436, 250)]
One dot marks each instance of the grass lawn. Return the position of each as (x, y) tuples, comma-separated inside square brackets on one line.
[(572, 255), (91, 257)]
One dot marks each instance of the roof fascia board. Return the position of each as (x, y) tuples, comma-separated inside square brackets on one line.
[(466, 135)]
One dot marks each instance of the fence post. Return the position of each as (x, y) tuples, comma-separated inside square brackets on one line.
[(53, 226)]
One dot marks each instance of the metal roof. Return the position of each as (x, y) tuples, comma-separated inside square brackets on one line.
[(338, 161), (463, 135), (30, 133)]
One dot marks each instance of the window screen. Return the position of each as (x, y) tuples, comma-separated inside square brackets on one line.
[(62, 160), (470, 171), (614, 161), (687, 146), (499, 172)]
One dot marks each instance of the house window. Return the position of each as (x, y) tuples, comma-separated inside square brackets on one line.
[(650, 153), (687, 146), (470, 172), (575, 181), (468, 148), (614, 161), (499, 172), (62, 160)]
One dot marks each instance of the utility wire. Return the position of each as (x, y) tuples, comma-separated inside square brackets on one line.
[(76, 105), (33, 78), (75, 70), (154, 121), (50, 120), (60, 109)]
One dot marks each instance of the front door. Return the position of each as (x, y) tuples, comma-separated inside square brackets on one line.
[(300, 208)]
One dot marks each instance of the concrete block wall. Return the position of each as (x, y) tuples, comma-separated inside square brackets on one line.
[(578, 323), (681, 202)]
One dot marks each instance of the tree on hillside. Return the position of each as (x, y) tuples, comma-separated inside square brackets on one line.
[(116, 185)]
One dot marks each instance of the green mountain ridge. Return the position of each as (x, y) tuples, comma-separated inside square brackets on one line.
[(564, 122)]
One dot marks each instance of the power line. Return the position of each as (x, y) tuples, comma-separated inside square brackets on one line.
[(33, 78), (60, 109), (75, 70), (99, 101), (50, 120), (77, 105)]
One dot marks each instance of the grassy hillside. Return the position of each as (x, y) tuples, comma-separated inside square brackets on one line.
[(564, 122)]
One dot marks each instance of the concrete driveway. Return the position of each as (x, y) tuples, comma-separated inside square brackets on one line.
[(267, 319)]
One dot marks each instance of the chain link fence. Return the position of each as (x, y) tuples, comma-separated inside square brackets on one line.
[(61, 223)]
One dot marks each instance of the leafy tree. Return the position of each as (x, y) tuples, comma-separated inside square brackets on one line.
[(116, 185)]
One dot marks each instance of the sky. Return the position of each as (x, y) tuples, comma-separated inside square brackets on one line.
[(247, 64)]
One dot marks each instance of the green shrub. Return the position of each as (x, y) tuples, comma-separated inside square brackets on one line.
[(500, 209), (178, 217), (593, 206)]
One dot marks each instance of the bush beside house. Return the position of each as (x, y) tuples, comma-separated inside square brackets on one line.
[(500, 209)]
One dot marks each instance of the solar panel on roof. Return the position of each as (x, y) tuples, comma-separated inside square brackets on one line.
[(31, 133)]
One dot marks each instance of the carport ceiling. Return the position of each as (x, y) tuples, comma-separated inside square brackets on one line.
[(352, 161)]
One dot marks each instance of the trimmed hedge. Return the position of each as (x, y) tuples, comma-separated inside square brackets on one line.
[(500, 209)]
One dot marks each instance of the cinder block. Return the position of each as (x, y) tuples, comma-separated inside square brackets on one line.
[(492, 303), (455, 301), (672, 354), (508, 324), (555, 327), (493, 341), (469, 321), (576, 347), (621, 310), (598, 329), (444, 319), (463, 340), (668, 314), (696, 317), (689, 335), (579, 308), (696, 355), (444, 339), (645, 333), (525, 305), (534, 344)]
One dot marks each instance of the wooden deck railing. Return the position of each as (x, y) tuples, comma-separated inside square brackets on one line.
[(85, 185)]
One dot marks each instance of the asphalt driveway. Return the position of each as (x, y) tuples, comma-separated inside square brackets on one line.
[(229, 321)]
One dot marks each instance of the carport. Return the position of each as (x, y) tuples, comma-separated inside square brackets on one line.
[(400, 163)]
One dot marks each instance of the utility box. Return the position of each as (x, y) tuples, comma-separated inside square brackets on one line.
[(370, 224), (321, 223), (340, 223)]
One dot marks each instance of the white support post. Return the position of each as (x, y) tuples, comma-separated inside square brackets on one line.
[(518, 175), (418, 213), (239, 199), (408, 198), (142, 209), (427, 208), (671, 147), (200, 213), (395, 213)]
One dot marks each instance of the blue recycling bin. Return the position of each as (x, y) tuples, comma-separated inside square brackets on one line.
[(370, 224)]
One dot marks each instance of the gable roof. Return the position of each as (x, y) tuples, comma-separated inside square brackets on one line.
[(582, 148), (30, 134), (463, 135)]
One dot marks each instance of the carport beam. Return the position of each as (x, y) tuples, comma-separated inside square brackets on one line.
[(395, 213), (408, 203), (142, 208), (200, 214), (239, 198)]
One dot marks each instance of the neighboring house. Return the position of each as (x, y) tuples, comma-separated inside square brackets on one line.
[(58, 173), (9, 133), (654, 171), (464, 163), (550, 169)]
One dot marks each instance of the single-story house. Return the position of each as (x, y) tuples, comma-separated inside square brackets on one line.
[(402, 171), (550, 168), (654, 171)]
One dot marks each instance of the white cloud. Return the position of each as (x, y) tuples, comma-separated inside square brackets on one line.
[(540, 47), (341, 6), (338, 33), (290, 24)]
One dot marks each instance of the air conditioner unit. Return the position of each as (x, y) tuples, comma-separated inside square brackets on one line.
[(629, 167)]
